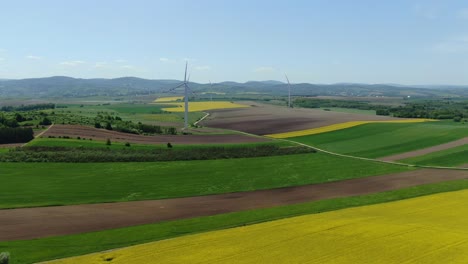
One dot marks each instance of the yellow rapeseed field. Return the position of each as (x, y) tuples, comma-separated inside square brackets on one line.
[(202, 106), (168, 99), (339, 126), (430, 229)]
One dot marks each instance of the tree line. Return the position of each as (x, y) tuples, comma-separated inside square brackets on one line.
[(433, 109)]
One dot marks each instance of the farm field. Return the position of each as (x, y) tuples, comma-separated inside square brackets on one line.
[(32, 251), (449, 157), (48, 221), (349, 110), (340, 126), (384, 139), (168, 99), (77, 143), (137, 112), (74, 131), (264, 119), (23, 183), (427, 151), (356, 235), (202, 106)]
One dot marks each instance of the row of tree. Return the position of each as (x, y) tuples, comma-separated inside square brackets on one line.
[(81, 154), (15, 135), (116, 123), (32, 107)]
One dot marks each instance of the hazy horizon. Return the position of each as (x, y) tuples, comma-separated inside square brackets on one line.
[(321, 42)]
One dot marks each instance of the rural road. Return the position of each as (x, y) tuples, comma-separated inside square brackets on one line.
[(29, 223)]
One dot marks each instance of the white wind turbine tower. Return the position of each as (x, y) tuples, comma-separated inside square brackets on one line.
[(289, 91), (186, 95)]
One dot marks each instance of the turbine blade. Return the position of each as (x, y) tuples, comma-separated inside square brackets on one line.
[(173, 88)]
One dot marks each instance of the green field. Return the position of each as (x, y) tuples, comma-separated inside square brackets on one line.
[(449, 157), (31, 251), (41, 184), (349, 110), (384, 139), (60, 142)]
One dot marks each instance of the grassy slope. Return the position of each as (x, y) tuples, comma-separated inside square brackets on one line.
[(38, 184), (384, 139), (449, 157), (29, 251)]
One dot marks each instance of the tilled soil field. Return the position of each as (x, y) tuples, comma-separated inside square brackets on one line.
[(262, 119), (74, 131)]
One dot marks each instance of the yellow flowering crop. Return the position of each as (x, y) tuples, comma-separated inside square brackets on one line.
[(430, 229), (202, 106), (318, 130), (168, 99)]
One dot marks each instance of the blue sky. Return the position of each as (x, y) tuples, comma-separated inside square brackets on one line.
[(316, 41)]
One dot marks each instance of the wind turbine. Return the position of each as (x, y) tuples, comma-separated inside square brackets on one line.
[(186, 94), (289, 92)]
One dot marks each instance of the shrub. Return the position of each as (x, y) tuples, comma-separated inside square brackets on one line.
[(4, 258), (127, 144), (108, 142)]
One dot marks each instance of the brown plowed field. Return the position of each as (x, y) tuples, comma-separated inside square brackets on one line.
[(425, 151), (74, 131), (29, 223), (261, 119)]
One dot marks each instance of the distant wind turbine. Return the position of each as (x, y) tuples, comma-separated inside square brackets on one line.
[(211, 89), (289, 92)]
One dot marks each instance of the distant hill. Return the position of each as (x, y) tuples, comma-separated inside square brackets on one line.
[(62, 86)]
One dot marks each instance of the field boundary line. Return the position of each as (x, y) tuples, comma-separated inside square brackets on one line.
[(201, 119)]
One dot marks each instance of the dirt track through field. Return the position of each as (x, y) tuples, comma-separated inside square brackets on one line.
[(425, 151), (29, 223)]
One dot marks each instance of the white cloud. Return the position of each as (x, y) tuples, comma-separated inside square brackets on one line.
[(203, 68), (100, 65), (32, 57), (453, 45), (72, 63), (263, 69), (120, 61)]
